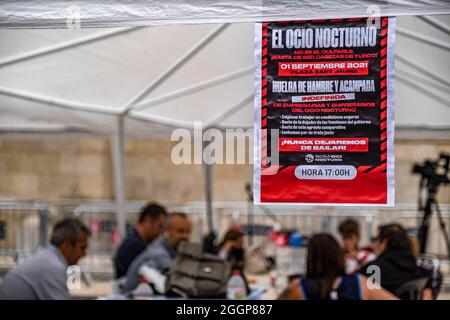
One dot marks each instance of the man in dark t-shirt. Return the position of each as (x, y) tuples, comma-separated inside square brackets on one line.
[(148, 228)]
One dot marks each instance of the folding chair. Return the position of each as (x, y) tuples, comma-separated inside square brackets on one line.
[(412, 290), (432, 264)]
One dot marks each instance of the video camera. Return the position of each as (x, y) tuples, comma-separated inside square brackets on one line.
[(435, 170)]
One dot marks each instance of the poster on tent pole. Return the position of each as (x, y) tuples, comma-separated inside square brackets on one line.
[(324, 125)]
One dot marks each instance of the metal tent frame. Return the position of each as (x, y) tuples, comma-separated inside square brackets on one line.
[(138, 102)]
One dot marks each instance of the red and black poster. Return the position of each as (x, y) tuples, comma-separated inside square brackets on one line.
[(324, 124)]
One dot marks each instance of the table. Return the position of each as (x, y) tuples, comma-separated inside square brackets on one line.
[(261, 283)]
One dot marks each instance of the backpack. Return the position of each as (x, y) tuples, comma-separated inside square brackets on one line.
[(197, 274)]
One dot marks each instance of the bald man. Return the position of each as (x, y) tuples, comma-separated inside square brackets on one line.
[(161, 253)]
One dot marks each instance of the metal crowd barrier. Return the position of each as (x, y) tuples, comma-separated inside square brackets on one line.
[(25, 225), (23, 228), (100, 217), (305, 219)]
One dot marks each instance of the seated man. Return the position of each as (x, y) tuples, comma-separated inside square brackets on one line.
[(161, 253), (395, 259), (148, 228), (43, 276), (355, 257)]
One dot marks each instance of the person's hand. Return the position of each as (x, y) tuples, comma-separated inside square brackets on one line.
[(427, 294), (154, 277), (229, 245)]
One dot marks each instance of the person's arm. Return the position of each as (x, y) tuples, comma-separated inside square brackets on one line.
[(226, 248), (53, 286), (374, 292), (132, 274), (292, 292), (223, 254), (427, 293), (162, 261), (127, 252)]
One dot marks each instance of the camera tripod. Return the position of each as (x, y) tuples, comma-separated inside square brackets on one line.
[(431, 202)]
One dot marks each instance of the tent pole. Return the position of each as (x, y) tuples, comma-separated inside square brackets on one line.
[(422, 89), (423, 70), (193, 88), (119, 175), (421, 38), (130, 105), (423, 80), (228, 113), (251, 222), (436, 23), (207, 172), (57, 102), (207, 177), (64, 46)]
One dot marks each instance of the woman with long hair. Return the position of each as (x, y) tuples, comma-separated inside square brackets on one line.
[(326, 278)]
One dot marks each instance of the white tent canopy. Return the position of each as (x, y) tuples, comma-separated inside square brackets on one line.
[(107, 13), (166, 77), (146, 81), (189, 73)]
